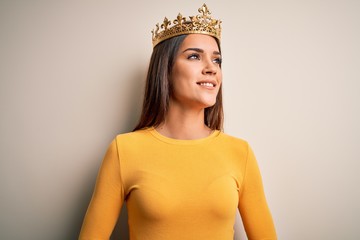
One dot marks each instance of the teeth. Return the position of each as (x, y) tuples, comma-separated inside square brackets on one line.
[(207, 84)]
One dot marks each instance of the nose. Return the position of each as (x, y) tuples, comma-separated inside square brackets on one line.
[(209, 67)]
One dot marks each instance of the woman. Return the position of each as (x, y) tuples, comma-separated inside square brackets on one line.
[(181, 177)]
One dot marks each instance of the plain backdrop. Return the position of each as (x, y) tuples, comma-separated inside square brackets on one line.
[(72, 76)]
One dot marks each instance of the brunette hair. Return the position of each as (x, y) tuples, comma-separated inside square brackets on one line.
[(158, 88)]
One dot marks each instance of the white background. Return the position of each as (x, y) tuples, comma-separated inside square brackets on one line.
[(72, 76)]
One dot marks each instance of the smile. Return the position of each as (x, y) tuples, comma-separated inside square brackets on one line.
[(206, 84)]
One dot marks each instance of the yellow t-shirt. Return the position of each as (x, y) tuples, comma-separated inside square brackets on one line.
[(178, 189)]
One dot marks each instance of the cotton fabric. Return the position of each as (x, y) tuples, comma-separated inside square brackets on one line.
[(178, 189)]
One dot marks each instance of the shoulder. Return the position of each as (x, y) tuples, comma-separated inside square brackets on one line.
[(233, 140), (233, 144), (136, 135), (134, 139)]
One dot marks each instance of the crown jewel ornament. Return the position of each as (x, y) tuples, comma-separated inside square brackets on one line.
[(202, 24)]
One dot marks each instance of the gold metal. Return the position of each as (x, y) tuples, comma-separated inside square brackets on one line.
[(202, 23)]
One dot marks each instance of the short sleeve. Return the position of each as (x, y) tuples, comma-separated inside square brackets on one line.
[(253, 207), (107, 199)]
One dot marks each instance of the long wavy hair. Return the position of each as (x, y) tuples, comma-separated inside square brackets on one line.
[(158, 88)]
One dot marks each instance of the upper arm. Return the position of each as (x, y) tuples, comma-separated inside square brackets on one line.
[(107, 199), (253, 207)]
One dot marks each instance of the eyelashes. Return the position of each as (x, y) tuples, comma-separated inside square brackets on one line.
[(218, 60), (196, 56)]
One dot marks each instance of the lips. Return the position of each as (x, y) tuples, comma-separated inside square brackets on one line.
[(207, 83)]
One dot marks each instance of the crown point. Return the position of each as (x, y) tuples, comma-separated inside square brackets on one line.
[(204, 10), (179, 19), (166, 23)]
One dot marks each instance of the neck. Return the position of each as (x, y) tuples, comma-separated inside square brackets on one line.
[(184, 124)]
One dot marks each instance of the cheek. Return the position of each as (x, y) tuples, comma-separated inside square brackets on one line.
[(176, 85), (183, 78), (220, 77)]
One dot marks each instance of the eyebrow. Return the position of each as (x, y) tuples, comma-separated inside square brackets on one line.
[(200, 50)]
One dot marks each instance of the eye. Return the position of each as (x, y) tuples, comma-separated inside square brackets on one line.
[(194, 56), (218, 61)]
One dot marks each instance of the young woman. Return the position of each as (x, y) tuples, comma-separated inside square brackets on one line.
[(180, 175)]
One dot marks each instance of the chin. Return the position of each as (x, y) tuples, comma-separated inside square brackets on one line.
[(209, 104)]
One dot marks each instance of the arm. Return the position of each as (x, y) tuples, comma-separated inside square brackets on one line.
[(253, 207), (107, 199)]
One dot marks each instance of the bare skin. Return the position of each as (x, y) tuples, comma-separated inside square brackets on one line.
[(196, 79)]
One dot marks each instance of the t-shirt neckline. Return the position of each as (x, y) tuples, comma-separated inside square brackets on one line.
[(163, 138)]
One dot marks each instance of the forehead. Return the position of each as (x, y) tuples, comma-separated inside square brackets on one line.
[(204, 42)]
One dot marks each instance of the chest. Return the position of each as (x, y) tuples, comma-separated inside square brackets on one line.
[(162, 184)]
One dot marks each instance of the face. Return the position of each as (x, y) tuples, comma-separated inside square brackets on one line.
[(196, 75)]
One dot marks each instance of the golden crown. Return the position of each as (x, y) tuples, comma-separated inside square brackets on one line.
[(202, 23)]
